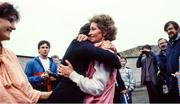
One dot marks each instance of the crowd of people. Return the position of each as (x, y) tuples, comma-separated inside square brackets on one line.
[(159, 73), (91, 70)]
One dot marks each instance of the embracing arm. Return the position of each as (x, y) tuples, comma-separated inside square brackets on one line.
[(94, 86), (87, 49)]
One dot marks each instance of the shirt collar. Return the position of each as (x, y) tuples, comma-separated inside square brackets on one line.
[(178, 37)]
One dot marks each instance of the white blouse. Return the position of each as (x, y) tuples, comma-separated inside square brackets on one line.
[(96, 85)]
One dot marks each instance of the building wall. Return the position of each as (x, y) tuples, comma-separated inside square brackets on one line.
[(23, 60)]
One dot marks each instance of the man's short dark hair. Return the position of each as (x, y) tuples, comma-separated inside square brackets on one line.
[(176, 26), (147, 46), (7, 10), (43, 42), (85, 29)]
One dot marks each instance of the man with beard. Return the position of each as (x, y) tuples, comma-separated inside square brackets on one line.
[(173, 53)]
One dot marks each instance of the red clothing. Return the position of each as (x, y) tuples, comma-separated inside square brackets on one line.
[(108, 94)]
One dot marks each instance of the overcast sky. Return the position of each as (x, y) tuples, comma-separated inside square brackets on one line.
[(138, 21)]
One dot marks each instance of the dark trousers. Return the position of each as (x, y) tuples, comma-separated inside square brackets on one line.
[(173, 90), (152, 92), (129, 97), (117, 95), (163, 97)]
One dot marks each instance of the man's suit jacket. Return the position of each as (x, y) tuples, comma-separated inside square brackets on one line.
[(80, 54), (151, 64)]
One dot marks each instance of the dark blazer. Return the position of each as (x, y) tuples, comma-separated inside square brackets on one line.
[(162, 62), (172, 55), (151, 64), (80, 54)]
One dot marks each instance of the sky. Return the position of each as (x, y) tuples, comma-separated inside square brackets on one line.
[(138, 22)]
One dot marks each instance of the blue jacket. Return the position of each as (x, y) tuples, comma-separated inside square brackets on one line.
[(162, 65), (173, 53), (162, 62), (34, 67)]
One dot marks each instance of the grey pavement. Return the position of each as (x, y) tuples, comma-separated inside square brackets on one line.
[(140, 95)]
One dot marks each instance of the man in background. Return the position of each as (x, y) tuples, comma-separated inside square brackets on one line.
[(42, 71), (148, 64), (56, 59), (172, 55), (162, 74)]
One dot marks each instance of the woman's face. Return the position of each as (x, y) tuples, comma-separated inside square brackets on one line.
[(6, 27), (95, 34)]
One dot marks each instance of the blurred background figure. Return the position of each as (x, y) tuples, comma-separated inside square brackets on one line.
[(147, 62), (127, 76), (162, 74), (56, 59), (42, 71)]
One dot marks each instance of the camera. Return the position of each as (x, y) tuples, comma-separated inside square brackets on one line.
[(144, 51)]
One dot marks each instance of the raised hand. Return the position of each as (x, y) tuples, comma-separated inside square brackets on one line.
[(65, 70)]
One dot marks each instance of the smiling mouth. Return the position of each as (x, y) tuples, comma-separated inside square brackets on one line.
[(170, 33)]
